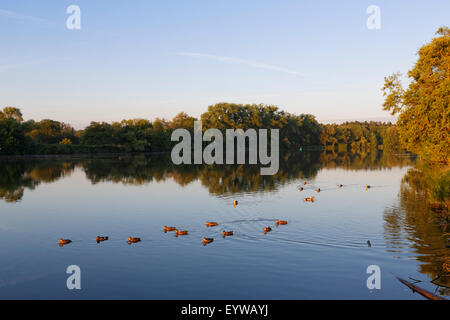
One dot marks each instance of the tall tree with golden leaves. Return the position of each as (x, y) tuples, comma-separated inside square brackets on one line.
[(423, 108)]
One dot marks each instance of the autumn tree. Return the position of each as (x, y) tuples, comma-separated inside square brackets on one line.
[(423, 108), (11, 113), (50, 131), (182, 120)]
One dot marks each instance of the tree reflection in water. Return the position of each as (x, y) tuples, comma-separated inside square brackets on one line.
[(416, 218), (411, 219), (16, 175)]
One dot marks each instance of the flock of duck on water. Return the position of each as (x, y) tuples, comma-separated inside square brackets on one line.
[(208, 224), (311, 199)]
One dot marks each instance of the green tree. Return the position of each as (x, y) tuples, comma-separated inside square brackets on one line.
[(160, 135), (358, 137), (295, 130), (98, 134), (12, 137), (423, 108), (133, 135)]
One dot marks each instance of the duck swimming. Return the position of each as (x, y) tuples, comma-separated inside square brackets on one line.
[(100, 239), (181, 232), (304, 182), (368, 187), (211, 224), (166, 228), (207, 240), (311, 199), (340, 185), (133, 240), (280, 222), (318, 190), (267, 229), (227, 233), (64, 241), (300, 189), (235, 203)]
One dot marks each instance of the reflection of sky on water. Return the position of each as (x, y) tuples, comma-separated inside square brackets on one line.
[(321, 253)]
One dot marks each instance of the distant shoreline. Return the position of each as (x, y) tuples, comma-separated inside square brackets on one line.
[(79, 155)]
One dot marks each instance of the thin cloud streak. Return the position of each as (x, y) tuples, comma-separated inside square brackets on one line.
[(20, 16), (317, 79), (254, 64)]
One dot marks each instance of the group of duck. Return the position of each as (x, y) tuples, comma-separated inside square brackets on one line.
[(178, 232), (225, 233), (98, 239), (205, 240), (311, 199)]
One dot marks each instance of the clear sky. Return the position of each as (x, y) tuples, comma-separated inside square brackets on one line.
[(152, 59)]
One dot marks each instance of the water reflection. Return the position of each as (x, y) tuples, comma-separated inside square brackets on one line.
[(328, 228), (16, 175), (415, 224)]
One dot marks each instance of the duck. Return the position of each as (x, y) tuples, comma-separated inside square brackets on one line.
[(133, 240), (300, 189), (340, 185), (181, 232), (280, 222), (211, 224), (304, 182), (166, 228), (368, 243), (227, 233), (267, 229), (100, 239), (318, 190), (235, 203), (207, 240), (311, 199), (368, 186), (64, 241)]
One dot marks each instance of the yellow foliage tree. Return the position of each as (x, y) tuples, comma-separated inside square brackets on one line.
[(423, 108), (65, 141)]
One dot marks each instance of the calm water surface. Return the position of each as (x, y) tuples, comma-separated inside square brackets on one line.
[(322, 253)]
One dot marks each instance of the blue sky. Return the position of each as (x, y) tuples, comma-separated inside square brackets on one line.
[(157, 58)]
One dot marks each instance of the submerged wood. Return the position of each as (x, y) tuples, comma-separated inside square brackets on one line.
[(423, 292)]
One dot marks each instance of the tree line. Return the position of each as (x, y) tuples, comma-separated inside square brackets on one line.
[(142, 135), (360, 137)]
